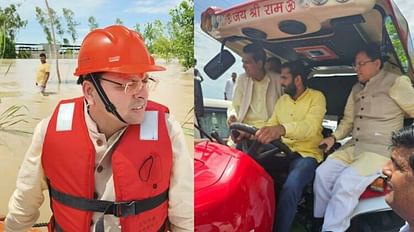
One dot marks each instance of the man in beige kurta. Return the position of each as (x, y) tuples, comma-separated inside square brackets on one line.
[(256, 91), (375, 108)]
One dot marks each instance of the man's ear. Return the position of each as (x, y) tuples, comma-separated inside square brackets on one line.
[(261, 63), (298, 80), (378, 63), (88, 92)]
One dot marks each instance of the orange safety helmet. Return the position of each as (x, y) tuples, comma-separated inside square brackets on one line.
[(114, 49)]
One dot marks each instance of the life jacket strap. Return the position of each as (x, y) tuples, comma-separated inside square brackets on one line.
[(118, 209)]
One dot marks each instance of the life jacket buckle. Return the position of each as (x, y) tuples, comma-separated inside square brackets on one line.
[(124, 209)]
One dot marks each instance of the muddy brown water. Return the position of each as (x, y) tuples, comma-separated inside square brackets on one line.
[(17, 78)]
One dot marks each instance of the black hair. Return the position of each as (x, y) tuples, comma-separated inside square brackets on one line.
[(257, 51), (373, 51), (405, 138), (276, 62), (297, 68), (42, 55)]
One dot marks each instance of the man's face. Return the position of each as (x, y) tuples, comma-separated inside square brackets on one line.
[(43, 59), (365, 67), (287, 82), (130, 104), (401, 181), (268, 66), (251, 67)]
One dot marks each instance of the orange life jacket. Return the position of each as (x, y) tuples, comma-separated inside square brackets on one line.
[(141, 170)]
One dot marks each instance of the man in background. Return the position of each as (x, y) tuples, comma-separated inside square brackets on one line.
[(273, 65), (228, 90), (42, 73)]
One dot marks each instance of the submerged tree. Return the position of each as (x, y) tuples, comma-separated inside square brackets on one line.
[(53, 20), (41, 17), (49, 21), (10, 23), (71, 24), (119, 21), (92, 23), (152, 31), (137, 28)]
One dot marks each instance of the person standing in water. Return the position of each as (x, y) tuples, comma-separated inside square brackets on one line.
[(42, 73)]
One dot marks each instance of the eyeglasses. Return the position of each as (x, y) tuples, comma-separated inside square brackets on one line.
[(360, 64), (135, 85)]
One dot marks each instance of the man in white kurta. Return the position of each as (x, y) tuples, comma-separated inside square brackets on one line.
[(228, 89), (31, 181), (375, 108), (112, 68), (256, 91)]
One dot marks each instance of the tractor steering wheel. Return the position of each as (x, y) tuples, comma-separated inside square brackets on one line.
[(254, 147)]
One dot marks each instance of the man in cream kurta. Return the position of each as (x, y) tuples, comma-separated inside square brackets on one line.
[(256, 91), (115, 93), (31, 182), (376, 106)]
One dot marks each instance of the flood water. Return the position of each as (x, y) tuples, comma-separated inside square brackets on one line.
[(17, 88)]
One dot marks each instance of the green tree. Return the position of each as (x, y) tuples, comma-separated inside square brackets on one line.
[(152, 31), (119, 21), (71, 24), (55, 19), (163, 47), (396, 43), (10, 23), (7, 49), (137, 28), (48, 19), (41, 17), (182, 32), (92, 23)]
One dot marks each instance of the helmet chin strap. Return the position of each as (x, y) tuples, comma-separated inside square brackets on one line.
[(108, 104)]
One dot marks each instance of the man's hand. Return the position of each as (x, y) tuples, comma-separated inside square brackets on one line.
[(240, 136), (329, 141), (269, 133), (231, 119)]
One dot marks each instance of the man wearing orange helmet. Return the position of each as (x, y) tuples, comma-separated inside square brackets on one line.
[(110, 153)]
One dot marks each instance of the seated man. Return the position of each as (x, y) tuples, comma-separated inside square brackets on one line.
[(256, 91), (297, 119), (376, 106)]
